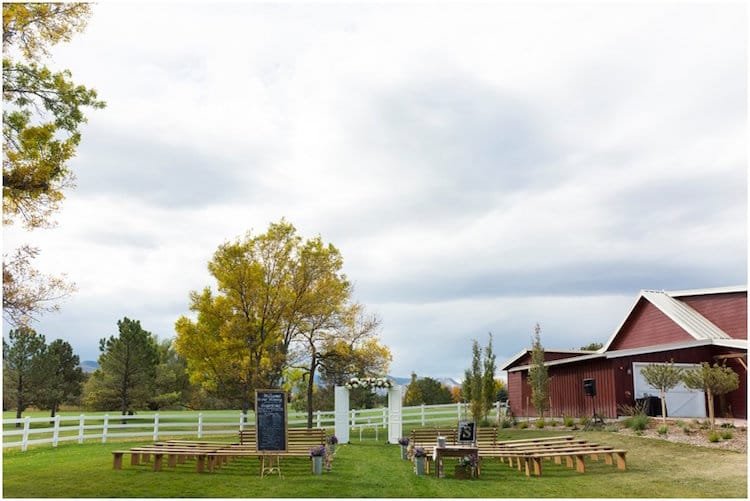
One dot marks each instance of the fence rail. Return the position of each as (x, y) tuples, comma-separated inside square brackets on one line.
[(114, 426)]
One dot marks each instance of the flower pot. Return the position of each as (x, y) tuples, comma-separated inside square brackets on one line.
[(317, 465), (419, 463), (404, 452), (462, 472)]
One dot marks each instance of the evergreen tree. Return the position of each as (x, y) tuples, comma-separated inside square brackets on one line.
[(62, 377), (538, 377), (21, 358), (489, 395)]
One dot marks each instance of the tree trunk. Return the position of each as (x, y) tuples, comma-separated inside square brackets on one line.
[(663, 406), (711, 408), (310, 383), (19, 402)]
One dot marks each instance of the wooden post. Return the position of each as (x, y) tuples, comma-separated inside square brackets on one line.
[(25, 438), (56, 431), (105, 427), (81, 421), (156, 427), (200, 425)]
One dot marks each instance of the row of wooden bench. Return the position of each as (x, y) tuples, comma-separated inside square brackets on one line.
[(212, 455), (525, 454)]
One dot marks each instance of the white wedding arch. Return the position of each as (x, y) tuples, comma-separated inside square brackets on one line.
[(341, 401)]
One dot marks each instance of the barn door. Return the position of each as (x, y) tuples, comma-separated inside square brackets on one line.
[(681, 401)]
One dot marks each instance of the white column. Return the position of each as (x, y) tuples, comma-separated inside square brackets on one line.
[(81, 421), (341, 413), (200, 425), (156, 427), (394, 413)]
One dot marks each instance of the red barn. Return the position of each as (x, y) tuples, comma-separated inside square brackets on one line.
[(687, 327)]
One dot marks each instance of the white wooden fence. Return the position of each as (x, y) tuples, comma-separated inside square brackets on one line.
[(201, 424)]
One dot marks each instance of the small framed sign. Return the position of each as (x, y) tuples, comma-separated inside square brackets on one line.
[(467, 432), (270, 420)]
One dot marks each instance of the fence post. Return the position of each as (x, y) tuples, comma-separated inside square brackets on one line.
[(105, 428), (156, 427), (200, 425), (458, 410), (81, 421), (385, 417), (354, 417), (497, 409), (25, 438), (243, 416), (422, 413), (317, 425), (56, 431)]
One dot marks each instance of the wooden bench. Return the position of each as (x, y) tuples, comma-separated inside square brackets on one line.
[(533, 461)]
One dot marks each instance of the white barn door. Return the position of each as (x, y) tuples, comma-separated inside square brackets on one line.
[(681, 401)]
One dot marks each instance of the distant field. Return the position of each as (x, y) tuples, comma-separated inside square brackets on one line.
[(371, 468)]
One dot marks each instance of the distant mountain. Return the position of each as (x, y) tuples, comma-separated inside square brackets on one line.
[(88, 366)]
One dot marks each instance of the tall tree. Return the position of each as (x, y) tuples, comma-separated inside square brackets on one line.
[(538, 377), (426, 391), (664, 377), (21, 358), (489, 391), (714, 380), (127, 369), (62, 377), (237, 342), (171, 383), (472, 388), (42, 114)]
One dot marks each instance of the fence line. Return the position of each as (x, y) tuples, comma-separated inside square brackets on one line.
[(156, 425)]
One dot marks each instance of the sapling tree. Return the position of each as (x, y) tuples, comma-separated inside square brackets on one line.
[(664, 377), (538, 376), (714, 380)]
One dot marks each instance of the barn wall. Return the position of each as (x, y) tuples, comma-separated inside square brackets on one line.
[(622, 369), (648, 326), (727, 311)]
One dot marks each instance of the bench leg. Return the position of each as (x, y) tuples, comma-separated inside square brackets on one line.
[(620, 456), (558, 460), (172, 461), (200, 465), (580, 465), (569, 461), (537, 466), (595, 457), (135, 459), (181, 459), (157, 461), (608, 459), (117, 464)]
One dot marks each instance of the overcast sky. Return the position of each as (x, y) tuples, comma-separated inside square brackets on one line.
[(482, 167)]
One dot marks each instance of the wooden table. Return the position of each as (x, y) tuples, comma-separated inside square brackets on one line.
[(456, 451)]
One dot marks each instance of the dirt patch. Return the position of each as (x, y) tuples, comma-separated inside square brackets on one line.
[(695, 432)]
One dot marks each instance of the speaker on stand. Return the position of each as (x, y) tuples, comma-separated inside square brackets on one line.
[(589, 389)]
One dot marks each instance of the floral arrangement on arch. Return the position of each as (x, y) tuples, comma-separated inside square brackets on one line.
[(369, 382)]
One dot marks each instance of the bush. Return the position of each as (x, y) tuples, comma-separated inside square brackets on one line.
[(523, 425), (662, 430), (727, 425), (506, 423), (539, 423), (686, 430), (638, 422), (568, 421), (583, 421), (727, 434), (713, 436), (552, 423)]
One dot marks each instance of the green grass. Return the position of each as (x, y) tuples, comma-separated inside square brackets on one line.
[(656, 468)]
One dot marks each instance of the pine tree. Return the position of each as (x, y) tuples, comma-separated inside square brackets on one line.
[(538, 377)]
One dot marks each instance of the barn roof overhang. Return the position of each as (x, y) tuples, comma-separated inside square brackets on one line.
[(518, 356), (740, 344)]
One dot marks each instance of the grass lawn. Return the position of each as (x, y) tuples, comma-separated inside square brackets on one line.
[(373, 469)]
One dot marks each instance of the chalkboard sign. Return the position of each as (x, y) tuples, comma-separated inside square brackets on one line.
[(270, 420), (467, 432)]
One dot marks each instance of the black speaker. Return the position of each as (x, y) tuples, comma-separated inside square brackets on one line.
[(589, 387)]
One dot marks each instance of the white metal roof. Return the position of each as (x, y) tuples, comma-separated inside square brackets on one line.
[(523, 352), (713, 290)]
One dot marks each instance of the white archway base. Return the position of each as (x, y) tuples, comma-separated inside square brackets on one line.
[(341, 419)]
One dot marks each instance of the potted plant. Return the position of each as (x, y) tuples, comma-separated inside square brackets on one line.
[(420, 457), (317, 454), (332, 441), (466, 467), (404, 443)]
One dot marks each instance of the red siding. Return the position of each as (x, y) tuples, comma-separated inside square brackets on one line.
[(648, 326), (727, 311)]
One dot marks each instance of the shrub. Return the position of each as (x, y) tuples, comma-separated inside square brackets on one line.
[(662, 430), (583, 421), (686, 430), (639, 409), (523, 425), (568, 421), (506, 423), (727, 425), (612, 428), (713, 436), (539, 423), (679, 423), (638, 422), (727, 434), (552, 423)]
